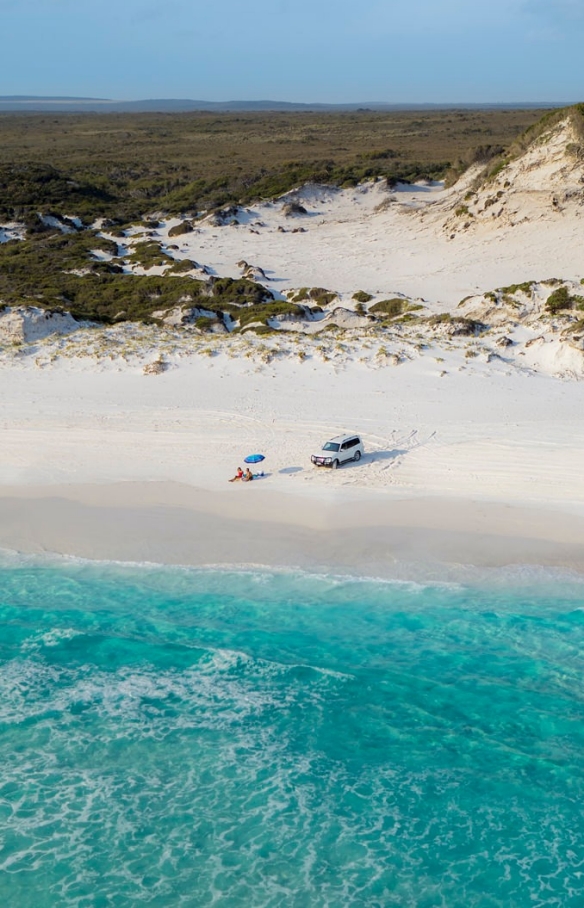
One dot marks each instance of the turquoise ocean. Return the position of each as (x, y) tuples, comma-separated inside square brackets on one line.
[(182, 737)]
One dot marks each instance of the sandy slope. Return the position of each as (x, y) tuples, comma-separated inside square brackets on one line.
[(410, 246)]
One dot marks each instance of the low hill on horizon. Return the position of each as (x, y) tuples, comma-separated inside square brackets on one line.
[(42, 103)]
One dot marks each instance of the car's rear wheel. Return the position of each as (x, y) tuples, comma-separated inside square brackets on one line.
[(357, 456), (335, 464)]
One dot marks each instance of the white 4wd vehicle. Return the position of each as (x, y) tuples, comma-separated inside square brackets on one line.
[(339, 450)]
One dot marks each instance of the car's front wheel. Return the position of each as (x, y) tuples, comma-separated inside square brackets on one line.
[(357, 456), (335, 465)]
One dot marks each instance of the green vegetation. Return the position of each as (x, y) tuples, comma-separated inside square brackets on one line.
[(390, 308), (497, 167), (204, 322), (148, 255), (122, 166), (362, 296), (561, 300), (38, 271), (181, 229), (462, 210), (261, 330), (261, 313), (525, 287), (318, 295), (456, 323), (181, 267)]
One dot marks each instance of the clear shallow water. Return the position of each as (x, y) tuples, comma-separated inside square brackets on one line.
[(188, 738)]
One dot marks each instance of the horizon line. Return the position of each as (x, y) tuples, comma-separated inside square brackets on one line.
[(28, 98)]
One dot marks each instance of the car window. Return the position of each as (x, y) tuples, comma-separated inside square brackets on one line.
[(330, 446), (345, 445)]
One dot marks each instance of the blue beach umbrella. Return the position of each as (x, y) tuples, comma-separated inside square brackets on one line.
[(254, 458)]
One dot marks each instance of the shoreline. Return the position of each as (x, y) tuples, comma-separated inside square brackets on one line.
[(170, 523)]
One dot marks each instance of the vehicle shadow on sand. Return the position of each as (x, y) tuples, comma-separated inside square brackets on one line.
[(374, 457)]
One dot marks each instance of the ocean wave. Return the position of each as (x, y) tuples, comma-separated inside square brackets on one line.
[(415, 577)]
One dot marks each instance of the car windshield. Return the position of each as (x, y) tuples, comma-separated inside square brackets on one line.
[(330, 446)]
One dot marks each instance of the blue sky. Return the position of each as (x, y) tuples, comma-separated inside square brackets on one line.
[(295, 50)]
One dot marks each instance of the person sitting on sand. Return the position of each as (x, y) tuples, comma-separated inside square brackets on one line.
[(247, 476), (238, 475)]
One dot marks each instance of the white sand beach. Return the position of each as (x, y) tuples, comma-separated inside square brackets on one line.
[(107, 462)]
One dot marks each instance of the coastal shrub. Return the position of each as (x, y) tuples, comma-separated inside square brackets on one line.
[(525, 287), (576, 327), (391, 308), (497, 168), (27, 187), (261, 313), (362, 296), (164, 162), (38, 271), (41, 255), (149, 254), (239, 291), (181, 267), (321, 296), (461, 210), (318, 295), (401, 319), (560, 300), (300, 295), (180, 229), (261, 330), (456, 324), (204, 322)]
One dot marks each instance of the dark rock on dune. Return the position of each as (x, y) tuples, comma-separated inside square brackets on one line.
[(504, 342), (291, 209), (224, 216)]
